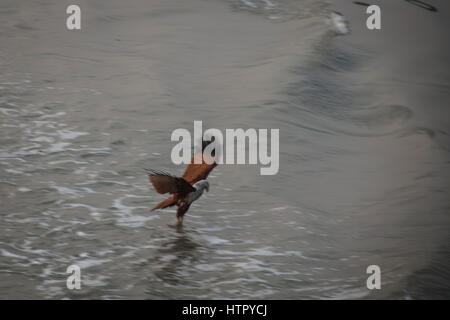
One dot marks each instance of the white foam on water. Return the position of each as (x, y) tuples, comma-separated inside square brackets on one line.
[(69, 135), (128, 218), (339, 23), (67, 161), (269, 4), (43, 139), (88, 263), (58, 147), (210, 267), (55, 115), (9, 254), (215, 240), (14, 171), (249, 4), (279, 209), (67, 191), (6, 111), (94, 211)]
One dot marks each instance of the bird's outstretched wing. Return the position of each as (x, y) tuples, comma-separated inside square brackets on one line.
[(196, 172), (164, 182)]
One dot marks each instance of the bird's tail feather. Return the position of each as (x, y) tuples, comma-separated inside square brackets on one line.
[(165, 203)]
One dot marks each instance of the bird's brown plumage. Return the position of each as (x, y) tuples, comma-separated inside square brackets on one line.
[(196, 172), (166, 183)]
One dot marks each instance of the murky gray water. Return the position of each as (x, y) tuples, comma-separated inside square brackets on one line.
[(364, 150)]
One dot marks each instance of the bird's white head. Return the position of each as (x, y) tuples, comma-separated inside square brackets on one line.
[(203, 184)]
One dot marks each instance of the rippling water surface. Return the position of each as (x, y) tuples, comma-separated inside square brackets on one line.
[(364, 151)]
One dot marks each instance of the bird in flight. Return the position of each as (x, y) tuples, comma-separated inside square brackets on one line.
[(185, 189)]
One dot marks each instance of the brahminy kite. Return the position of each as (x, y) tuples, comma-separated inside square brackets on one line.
[(185, 189)]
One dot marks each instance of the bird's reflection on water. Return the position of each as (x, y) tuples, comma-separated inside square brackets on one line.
[(175, 255)]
